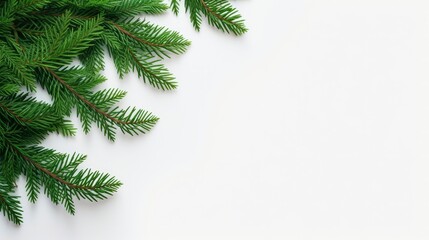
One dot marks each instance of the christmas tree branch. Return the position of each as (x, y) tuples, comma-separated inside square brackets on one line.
[(9, 205), (40, 43), (220, 14)]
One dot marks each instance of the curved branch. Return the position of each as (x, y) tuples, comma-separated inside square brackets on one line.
[(49, 173), (124, 31), (84, 100), (209, 10), (14, 114), (142, 66)]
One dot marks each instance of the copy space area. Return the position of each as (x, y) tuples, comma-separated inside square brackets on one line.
[(313, 125)]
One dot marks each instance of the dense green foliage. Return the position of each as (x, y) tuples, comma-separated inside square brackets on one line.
[(40, 42)]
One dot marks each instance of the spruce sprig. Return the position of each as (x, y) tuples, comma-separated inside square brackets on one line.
[(61, 46), (219, 13)]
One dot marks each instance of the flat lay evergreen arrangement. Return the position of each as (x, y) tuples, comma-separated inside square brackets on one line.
[(40, 43)]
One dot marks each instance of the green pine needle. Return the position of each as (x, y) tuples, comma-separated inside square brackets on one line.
[(61, 46)]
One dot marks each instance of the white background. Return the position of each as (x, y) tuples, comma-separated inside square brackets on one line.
[(314, 125)]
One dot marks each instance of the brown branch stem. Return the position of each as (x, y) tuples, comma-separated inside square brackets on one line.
[(14, 114), (124, 31), (214, 13), (84, 100)]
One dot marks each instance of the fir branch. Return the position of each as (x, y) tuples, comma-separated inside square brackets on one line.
[(9, 204), (62, 182), (151, 38), (95, 108), (7, 89), (16, 69), (220, 14), (93, 57), (39, 40), (174, 5), (60, 46), (152, 71), (34, 115)]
